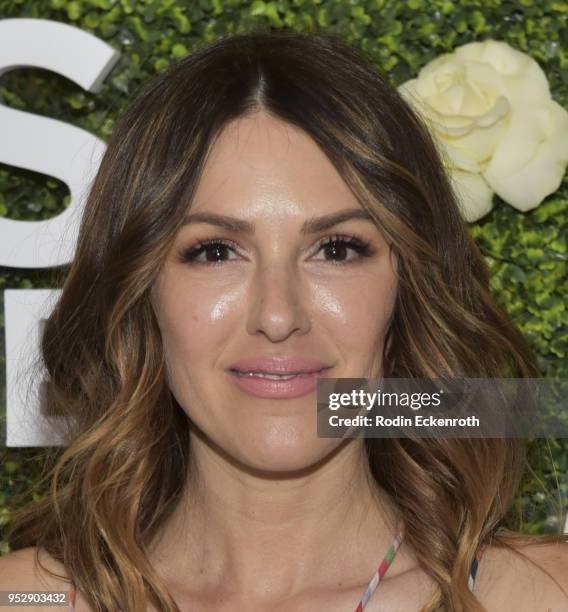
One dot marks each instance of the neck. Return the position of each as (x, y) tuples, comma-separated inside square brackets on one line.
[(271, 536)]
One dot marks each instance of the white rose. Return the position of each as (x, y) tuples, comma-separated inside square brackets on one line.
[(497, 127)]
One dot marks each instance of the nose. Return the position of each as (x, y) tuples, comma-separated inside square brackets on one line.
[(277, 306)]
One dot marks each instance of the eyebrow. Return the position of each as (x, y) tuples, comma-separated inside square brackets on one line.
[(310, 226)]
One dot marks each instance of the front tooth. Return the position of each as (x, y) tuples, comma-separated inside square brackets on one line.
[(271, 376), (277, 376)]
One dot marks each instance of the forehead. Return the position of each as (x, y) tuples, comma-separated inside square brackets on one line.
[(260, 164)]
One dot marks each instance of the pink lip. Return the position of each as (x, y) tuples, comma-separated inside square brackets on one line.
[(279, 365), (310, 371), (297, 386)]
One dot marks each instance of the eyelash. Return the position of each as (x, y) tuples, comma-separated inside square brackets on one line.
[(361, 247)]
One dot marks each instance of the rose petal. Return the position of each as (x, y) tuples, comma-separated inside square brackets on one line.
[(454, 126), (479, 146), (530, 164), (455, 158), (525, 80), (484, 85), (505, 59), (475, 197), (436, 109)]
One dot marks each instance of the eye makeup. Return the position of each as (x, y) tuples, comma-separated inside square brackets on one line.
[(216, 247)]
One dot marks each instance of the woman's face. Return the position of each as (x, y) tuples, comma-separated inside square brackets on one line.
[(270, 290)]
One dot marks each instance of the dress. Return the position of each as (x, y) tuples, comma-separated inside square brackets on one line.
[(371, 587)]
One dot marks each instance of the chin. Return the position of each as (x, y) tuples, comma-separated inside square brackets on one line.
[(284, 454)]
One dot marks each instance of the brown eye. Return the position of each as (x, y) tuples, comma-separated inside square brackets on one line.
[(210, 252), (336, 249)]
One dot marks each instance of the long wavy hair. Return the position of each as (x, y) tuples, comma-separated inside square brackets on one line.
[(127, 441)]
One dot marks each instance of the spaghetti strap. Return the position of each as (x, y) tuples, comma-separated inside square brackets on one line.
[(387, 561), (474, 567), (381, 571), (72, 597)]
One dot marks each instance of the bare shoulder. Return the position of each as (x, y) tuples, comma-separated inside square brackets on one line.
[(21, 570), (534, 580)]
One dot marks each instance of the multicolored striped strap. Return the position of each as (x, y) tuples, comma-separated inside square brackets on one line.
[(72, 596), (474, 566), (381, 571)]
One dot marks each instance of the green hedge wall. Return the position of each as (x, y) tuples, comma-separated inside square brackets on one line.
[(527, 251)]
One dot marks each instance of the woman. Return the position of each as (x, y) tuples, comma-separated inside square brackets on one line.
[(270, 211)]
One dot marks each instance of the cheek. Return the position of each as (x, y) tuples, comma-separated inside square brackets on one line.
[(357, 311), (194, 321)]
